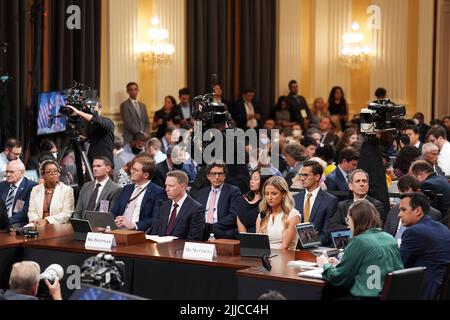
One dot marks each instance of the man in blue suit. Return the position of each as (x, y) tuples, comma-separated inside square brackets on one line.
[(425, 242), (181, 216), (180, 162), (315, 205), (135, 204), (218, 199), (338, 179), (15, 194)]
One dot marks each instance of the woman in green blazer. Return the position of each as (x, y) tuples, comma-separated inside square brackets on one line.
[(369, 256)]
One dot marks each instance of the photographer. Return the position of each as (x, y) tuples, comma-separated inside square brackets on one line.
[(100, 132), (24, 283)]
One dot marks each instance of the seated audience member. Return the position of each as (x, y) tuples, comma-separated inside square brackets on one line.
[(368, 247), (11, 152), (131, 150), (98, 195), (405, 158), (438, 185), (310, 146), (247, 206), (153, 148), (180, 216), (294, 155), (359, 186), (319, 110), (393, 225), (414, 137), (51, 202), (218, 199), (438, 136), (338, 179), (425, 242), (136, 202), (328, 131), (349, 139), (326, 153), (24, 283), (278, 217), (316, 206), (177, 159), (123, 175), (430, 154), (4, 221), (46, 146), (15, 194)]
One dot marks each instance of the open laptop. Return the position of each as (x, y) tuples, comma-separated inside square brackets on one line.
[(254, 244), (100, 219), (81, 228), (308, 237), (341, 238)]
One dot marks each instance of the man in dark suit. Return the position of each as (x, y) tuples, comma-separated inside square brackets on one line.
[(315, 205), (136, 202), (134, 115), (218, 199), (299, 109), (294, 153), (246, 112), (179, 163), (15, 194), (393, 225), (425, 242), (359, 186), (184, 108), (414, 137), (181, 216), (338, 179), (429, 181), (98, 195), (423, 128)]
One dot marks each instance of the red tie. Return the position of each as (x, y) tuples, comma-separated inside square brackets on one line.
[(173, 217)]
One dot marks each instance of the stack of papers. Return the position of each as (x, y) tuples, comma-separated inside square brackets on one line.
[(301, 264), (315, 273), (158, 239)]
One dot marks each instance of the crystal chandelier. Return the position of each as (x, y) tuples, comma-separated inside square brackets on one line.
[(354, 53), (157, 51)]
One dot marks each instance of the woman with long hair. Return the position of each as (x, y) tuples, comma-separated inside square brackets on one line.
[(278, 217), (349, 137), (165, 116), (338, 107)]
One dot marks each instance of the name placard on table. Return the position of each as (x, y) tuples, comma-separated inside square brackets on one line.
[(199, 251), (101, 241)]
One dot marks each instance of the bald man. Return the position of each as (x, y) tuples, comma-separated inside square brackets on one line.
[(15, 194)]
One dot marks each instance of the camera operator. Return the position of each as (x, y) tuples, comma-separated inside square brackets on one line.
[(24, 283), (100, 132)]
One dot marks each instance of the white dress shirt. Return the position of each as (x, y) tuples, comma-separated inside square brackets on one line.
[(443, 159), (100, 189), (137, 207), (180, 204)]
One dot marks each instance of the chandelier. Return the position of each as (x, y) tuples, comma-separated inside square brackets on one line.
[(157, 51), (354, 53)]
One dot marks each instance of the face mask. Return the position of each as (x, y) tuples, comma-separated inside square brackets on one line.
[(136, 151), (296, 133)]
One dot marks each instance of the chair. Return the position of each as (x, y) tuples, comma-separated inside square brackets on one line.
[(403, 284), (445, 289)]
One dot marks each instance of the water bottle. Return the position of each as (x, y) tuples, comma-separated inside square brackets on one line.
[(108, 229), (211, 237)]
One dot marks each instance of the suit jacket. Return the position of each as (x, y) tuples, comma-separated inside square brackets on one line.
[(439, 185), (61, 208), (338, 220), (239, 113), (4, 221), (153, 197), (179, 112), (296, 106), (335, 181), (426, 244), (162, 169), (226, 227), (323, 209), (23, 194), (109, 193), (392, 219), (132, 122), (189, 224), (13, 295)]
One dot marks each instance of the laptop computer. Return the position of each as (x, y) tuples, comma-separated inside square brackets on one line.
[(100, 219), (81, 228), (254, 244), (341, 238), (308, 237)]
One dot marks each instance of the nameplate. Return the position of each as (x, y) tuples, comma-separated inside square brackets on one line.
[(100, 241), (199, 251)]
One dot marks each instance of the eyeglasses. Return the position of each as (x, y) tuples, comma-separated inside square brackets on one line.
[(216, 174), (52, 172)]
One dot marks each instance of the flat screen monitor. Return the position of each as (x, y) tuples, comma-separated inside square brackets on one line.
[(91, 293), (341, 238), (49, 119), (308, 236)]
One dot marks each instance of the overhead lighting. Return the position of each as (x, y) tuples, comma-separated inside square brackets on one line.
[(354, 52)]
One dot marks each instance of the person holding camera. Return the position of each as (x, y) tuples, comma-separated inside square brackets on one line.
[(24, 283), (100, 132)]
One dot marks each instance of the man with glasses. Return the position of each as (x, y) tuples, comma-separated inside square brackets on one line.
[(430, 154), (12, 151), (315, 205), (358, 184), (218, 199), (438, 136), (15, 194)]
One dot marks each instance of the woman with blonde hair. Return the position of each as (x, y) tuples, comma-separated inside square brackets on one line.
[(278, 217)]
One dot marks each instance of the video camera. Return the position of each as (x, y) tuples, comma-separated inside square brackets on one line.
[(210, 113), (103, 271), (80, 97), (382, 116)]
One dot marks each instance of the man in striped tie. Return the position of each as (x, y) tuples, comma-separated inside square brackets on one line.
[(15, 194)]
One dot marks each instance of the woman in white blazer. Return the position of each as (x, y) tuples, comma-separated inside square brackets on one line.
[(51, 202)]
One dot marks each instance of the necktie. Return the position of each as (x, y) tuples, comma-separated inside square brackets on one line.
[(211, 205), (93, 199), (10, 199), (307, 210), (128, 214), (172, 219)]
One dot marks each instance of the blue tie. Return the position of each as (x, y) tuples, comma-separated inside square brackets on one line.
[(10, 199)]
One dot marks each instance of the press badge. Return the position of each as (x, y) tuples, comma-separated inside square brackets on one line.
[(19, 206), (304, 114)]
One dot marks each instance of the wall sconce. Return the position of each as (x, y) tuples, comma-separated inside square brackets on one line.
[(157, 51), (354, 53)]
